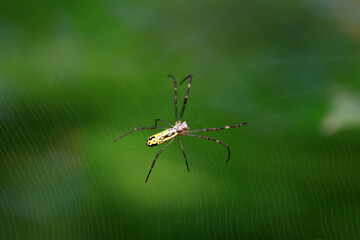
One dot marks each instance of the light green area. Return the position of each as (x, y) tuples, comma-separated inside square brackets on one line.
[(76, 75)]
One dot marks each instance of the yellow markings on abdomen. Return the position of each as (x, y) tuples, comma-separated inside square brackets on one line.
[(161, 137)]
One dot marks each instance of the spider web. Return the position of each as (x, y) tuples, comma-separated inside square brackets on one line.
[(73, 83)]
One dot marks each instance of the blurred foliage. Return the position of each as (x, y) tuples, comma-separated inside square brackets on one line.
[(76, 75)]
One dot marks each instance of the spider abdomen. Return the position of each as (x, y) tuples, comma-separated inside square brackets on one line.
[(161, 137)]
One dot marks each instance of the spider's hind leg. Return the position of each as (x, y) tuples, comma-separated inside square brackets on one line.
[(135, 129), (143, 128), (162, 120), (157, 155)]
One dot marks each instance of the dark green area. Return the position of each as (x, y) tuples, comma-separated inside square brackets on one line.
[(76, 75)]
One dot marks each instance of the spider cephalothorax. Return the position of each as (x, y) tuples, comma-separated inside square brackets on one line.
[(181, 127), (177, 130)]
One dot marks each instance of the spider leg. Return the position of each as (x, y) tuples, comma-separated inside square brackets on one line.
[(186, 95), (182, 148), (175, 97), (157, 155), (162, 120), (219, 128), (138, 128), (212, 139)]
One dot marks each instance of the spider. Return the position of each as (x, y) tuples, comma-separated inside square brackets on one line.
[(177, 130)]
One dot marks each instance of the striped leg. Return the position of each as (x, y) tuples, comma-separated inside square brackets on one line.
[(186, 95), (162, 120), (182, 148), (138, 128), (212, 139), (157, 155), (175, 97), (215, 129)]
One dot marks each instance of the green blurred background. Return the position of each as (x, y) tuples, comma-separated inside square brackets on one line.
[(74, 75)]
